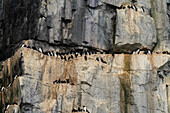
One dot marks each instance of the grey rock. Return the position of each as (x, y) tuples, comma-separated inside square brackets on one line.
[(134, 30)]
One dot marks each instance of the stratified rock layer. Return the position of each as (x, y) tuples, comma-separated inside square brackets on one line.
[(125, 84)]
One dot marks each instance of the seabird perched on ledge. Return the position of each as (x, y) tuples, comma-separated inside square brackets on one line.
[(97, 59), (71, 56), (49, 54), (15, 76), (103, 61), (7, 107), (9, 85), (134, 7), (84, 108), (137, 52), (23, 45), (113, 54), (40, 50), (2, 89), (142, 9), (85, 57), (149, 52), (65, 58)]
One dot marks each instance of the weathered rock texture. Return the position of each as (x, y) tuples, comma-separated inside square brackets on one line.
[(39, 41), (97, 24), (124, 84)]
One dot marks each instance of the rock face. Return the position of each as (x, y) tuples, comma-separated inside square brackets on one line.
[(124, 84), (64, 56), (135, 29)]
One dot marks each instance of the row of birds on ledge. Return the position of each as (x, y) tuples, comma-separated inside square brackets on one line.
[(9, 85), (73, 54), (131, 7)]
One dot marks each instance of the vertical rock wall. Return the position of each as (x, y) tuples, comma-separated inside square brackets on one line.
[(111, 56)]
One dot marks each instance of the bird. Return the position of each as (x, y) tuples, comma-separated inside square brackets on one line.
[(52, 53), (61, 57), (84, 107), (40, 50), (85, 52), (149, 52), (81, 53), (2, 89), (15, 76), (103, 61), (9, 85), (85, 57), (34, 48), (23, 45), (137, 52), (76, 55), (128, 7), (49, 54), (113, 54), (97, 59), (89, 53), (74, 110), (55, 54), (142, 9), (7, 107), (71, 56), (65, 58), (134, 7)]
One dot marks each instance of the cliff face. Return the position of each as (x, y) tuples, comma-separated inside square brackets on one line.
[(55, 56)]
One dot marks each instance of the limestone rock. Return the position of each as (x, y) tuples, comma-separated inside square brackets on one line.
[(134, 30), (124, 84)]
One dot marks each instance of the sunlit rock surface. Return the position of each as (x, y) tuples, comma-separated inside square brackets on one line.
[(125, 84), (124, 67)]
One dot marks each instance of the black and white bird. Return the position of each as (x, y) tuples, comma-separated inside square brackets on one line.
[(85, 57), (103, 61), (71, 56), (142, 9), (40, 50), (89, 53), (81, 53), (76, 54), (65, 58), (84, 108), (97, 59), (15, 76), (134, 7), (85, 52), (149, 52), (9, 85), (2, 89), (128, 7), (52, 53), (61, 57), (137, 52), (48, 54), (7, 107), (23, 45), (113, 54)]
